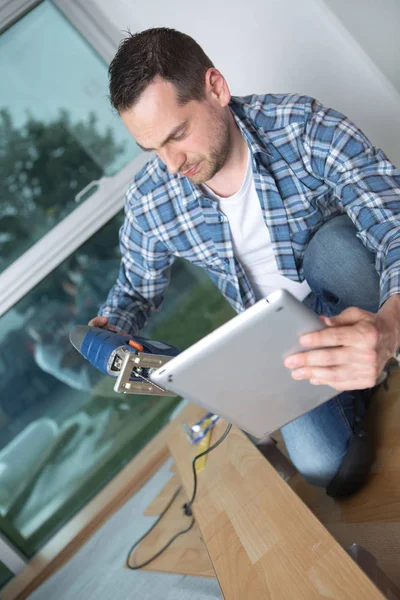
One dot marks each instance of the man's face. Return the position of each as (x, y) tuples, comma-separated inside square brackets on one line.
[(193, 139)]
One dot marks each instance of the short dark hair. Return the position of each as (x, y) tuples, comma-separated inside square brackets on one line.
[(163, 52)]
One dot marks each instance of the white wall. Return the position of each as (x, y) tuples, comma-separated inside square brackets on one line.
[(280, 46), (375, 25)]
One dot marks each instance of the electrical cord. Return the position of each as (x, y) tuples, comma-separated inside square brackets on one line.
[(134, 568), (186, 509)]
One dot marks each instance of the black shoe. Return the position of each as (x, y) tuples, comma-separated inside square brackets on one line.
[(356, 465)]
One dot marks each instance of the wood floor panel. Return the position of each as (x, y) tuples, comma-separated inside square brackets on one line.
[(187, 555), (372, 517)]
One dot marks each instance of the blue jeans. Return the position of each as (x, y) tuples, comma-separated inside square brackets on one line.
[(341, 273)]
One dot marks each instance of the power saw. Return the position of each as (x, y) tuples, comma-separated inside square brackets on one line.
[(130, 360)]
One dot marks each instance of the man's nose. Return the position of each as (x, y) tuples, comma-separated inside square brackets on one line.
[(173, 159)]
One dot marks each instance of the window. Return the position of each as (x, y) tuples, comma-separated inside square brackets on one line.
[(64, 431), (65, 164), (57, 130)]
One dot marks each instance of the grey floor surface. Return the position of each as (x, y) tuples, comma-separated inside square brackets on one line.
[(98, 572)]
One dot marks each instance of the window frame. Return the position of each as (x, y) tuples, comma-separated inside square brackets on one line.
[(50, 251), (11, 557), (86, 17), (61, 241), (93, 25), (13, 10)]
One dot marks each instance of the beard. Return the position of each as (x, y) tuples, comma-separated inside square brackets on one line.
[(216, 158)]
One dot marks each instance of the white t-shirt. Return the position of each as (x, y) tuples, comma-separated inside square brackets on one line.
[(251, 240)]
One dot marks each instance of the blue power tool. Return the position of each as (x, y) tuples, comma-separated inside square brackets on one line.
[(129, 360)]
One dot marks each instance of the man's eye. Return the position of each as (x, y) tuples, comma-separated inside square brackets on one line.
[(180, 137)]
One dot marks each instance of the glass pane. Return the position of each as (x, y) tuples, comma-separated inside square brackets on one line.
[(5, 574), (57, 130), (64, 432)]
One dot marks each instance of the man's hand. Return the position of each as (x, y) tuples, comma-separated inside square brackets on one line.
[(103, 322), (354, 349), (100, 322)]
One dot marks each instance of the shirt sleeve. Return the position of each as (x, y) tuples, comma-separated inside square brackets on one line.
[(143, 277), (365, 183)]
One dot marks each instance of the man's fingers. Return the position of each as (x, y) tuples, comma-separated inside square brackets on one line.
[(350, 316), (338, 377), (362, 335), (331, 357), (103, 322), (98, 322), (347, 352), (331, 336), (345, 385)]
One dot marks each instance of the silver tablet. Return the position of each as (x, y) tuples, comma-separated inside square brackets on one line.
[(237, 371)]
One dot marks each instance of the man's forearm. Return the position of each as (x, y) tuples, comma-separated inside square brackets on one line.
[(125, 311)]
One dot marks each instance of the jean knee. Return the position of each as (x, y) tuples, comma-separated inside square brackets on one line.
[(317, 442), (318, 471), (339, 268)]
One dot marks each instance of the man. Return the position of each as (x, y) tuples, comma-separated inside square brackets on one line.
[(263, 192)]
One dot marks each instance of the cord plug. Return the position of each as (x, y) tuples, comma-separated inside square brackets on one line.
[(187, 510)]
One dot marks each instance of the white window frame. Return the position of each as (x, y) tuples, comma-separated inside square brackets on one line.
[(94, 26), (12, 10), (62, 240), (11, 557)]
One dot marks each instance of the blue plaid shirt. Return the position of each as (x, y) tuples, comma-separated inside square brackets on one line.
[(309, 163)]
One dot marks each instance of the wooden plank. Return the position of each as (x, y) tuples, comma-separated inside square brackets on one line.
[(187, 555), (371, 518), (77, 531), (262, 540)]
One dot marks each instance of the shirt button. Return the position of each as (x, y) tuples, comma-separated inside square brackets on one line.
[(221, 218)]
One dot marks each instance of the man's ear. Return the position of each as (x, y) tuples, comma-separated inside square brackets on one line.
[(216, 87)]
